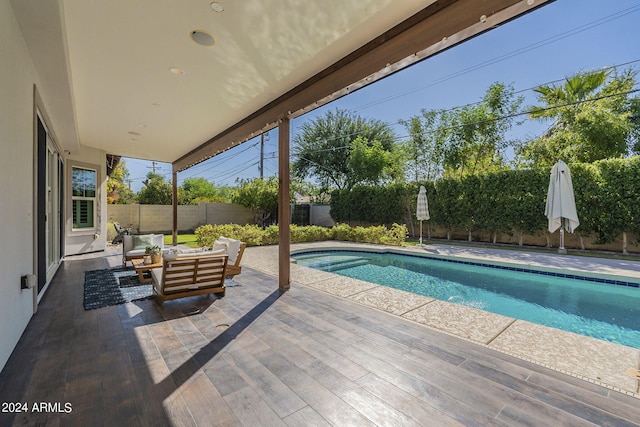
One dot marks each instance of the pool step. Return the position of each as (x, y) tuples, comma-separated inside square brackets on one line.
[(323, 265), (343, 265)]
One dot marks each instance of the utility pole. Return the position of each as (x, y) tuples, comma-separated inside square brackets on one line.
[(261, 166), (263, 138), (153, 166)]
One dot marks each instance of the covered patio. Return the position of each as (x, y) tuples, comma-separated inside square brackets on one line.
[(273, 351), (262, 357)]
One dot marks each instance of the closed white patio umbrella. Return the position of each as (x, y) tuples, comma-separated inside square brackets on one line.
[(422, 211), (561, 204)]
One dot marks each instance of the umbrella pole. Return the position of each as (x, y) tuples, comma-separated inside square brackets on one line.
[(420, 233), (562, 249)]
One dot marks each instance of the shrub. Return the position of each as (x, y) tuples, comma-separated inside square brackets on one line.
[(205, 235), (253, 235), (396, 236), (250, 234), (342, 232), (309, 233), (270, 235)]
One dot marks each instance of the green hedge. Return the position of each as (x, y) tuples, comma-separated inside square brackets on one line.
[(379, 205), (511, 201), (255, 236)]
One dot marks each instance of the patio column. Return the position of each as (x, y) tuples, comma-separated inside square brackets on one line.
[(284, 209), (174, 203)]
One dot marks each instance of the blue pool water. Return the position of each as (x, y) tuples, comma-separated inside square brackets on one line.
[(605, 311)]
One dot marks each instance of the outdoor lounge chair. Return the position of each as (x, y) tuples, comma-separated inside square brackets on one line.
[(185, 275)]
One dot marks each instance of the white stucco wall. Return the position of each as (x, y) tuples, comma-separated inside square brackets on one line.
[(17, 77)]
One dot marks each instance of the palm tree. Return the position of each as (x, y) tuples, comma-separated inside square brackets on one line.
[(591, 119), (576, 89)]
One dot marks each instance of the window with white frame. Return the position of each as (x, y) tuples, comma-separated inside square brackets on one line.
[(83, 197)]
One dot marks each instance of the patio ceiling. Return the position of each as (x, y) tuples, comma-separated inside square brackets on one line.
[(127, 78)]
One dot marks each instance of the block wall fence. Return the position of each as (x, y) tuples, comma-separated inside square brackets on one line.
[(159, 218)]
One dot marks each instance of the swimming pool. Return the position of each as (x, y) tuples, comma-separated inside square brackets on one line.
[(599, 308)]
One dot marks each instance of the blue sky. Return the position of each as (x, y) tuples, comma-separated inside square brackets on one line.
[(549, 44)]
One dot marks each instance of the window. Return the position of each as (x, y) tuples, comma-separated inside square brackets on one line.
[(83, 194)]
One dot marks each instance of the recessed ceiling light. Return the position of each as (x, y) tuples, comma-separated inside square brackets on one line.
[(134, 133), (202, 38), (177, 71), (217, 6)]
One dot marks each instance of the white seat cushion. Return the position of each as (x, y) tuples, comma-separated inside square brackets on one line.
[(156, 275), (136, 253), (175, 256)]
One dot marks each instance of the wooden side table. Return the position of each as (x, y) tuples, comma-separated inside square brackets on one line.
[(142, 268)]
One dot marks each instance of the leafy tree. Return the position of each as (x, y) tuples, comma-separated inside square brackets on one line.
[(464, 141), (446, 207), (371, 164), (333, 149), (198, 190), (157, 191), (476, 136), (423, 152), (492, 202), (117, 191), (592, 117), (261, 196), (315, 193), (523, 192)]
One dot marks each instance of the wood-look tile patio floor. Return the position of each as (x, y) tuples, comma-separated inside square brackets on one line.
[(300, 358)]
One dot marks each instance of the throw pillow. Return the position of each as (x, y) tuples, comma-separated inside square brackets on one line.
[(218, 245), (140, 241), (233, 247)]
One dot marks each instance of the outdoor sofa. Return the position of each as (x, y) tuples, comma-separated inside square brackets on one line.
[(133, 246), (189, 274)]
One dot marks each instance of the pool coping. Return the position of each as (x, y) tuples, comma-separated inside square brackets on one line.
[(599, 362)]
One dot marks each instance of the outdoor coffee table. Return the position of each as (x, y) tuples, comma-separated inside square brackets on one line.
[(142, 268)]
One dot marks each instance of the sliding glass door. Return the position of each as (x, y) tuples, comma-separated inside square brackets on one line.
[(52, 216), (49, 221)]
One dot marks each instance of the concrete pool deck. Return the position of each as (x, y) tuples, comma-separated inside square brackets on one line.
[(590, 359)]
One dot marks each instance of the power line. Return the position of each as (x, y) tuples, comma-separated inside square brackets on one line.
[(234, 173), (509, 55), (528, 112), (230, 172), (214, 161), (399, 122), (153, 166), (495, 119)]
